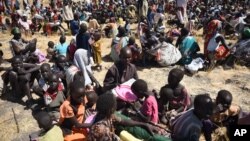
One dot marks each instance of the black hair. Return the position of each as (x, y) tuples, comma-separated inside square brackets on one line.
[(79, 76), (75, 86), (16, 58), (105, 106), (83, 28), (140, 86), (184, 32), (177, 73), (91, 97), (44, 120), (62, 39), (225, 97), (124, 51), (200, 101), (166, 94), (59, 57), (51, 44), (45, 65), (131, 41)]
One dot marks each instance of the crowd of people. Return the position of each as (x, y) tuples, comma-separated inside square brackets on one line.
[(71, 103)]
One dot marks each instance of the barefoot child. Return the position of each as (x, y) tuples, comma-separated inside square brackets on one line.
[(96, 45)]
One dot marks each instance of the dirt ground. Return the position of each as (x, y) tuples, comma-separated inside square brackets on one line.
[(235, 80)]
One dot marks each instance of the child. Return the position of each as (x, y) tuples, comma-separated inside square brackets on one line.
[(174, 96), (225, 115), (71, 49), (35, 55), (59, 68), (49, 131), (134, 48), (91, 104), (50, 50), (61, 48), (43, 86), (188, 126), (97, 50), (20, 78), (72, 113), (149, 109), (54, 97)]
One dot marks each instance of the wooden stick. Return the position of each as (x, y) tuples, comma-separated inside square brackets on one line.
[(17, 126)]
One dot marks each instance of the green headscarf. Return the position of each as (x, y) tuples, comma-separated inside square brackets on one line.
[(15, 30)]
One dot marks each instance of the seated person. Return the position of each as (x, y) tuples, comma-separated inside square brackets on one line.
[(41, 88), (49, 131), (24, 24), (92, 98), (61, 48), (18, 45), (149, 109), (226, 114), (187, 46), (136, 51), (51, 53), (106, 120), (121, 71), (59, 68), (35, 55), (20, 77), (54, 96), (173, 96), (188, 126), (72, 113)]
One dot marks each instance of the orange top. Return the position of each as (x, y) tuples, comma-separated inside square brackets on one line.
[(66, 111)]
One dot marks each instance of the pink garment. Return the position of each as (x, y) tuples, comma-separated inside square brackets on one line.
[(150, 108), (125, 93), (41, 56)]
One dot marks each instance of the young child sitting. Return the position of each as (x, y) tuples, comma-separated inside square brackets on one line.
[(35, 55), (49, 131), (90, 110), (173, 96), (136, 51), (61, 48), (149, 109), (51, 51), (54, 97), (225, 114)]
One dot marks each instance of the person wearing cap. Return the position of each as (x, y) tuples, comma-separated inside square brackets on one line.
[(18, 45)]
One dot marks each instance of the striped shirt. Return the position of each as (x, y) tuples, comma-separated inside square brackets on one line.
[(186, 127)]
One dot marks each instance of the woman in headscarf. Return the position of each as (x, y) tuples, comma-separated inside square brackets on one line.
[(81, 63), (120, 41), (187, 46), (215, 47)]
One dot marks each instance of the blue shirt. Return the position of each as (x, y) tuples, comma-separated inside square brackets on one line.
[(61, 49)]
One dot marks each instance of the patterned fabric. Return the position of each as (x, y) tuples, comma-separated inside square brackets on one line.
[(103, 131), (212, 28)]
